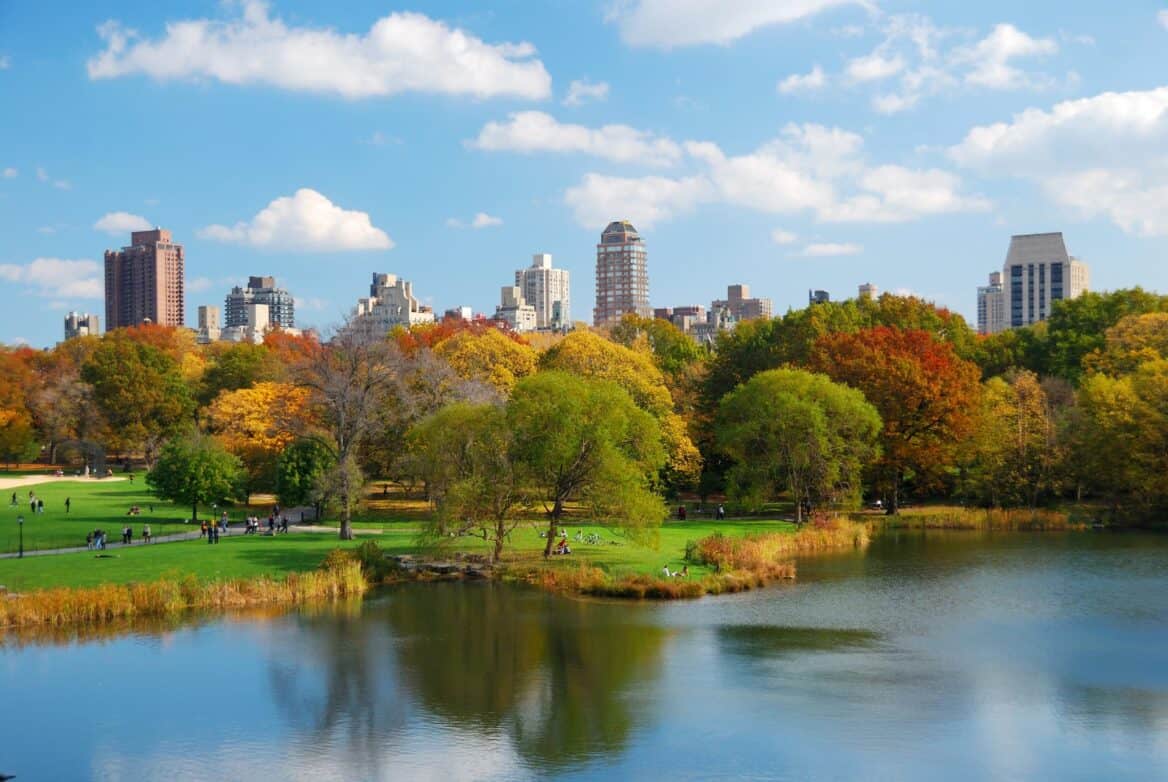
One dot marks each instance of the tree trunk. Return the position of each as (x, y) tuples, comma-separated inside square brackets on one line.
[(553, 527), (346, 521), (498, 552), (195, 512)]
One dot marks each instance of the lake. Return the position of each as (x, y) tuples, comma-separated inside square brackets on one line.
[(937, 655)]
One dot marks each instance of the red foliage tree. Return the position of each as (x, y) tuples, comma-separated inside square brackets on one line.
[(924, 392)]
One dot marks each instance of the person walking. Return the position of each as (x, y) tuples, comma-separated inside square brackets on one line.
[(14, 499), (68, 502), (40, 505), (146, 533)]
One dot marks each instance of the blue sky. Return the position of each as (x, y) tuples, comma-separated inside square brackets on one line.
[(786, 144)]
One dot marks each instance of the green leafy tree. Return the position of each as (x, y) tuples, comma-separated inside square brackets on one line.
[(140, 392), (300, 473), (233, 366), (787, 429), (465, 452), (586, 440), (195, 470)]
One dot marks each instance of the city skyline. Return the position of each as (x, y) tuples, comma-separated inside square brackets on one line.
[(840, 143)]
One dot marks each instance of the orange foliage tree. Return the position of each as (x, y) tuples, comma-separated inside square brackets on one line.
[(925, 394)]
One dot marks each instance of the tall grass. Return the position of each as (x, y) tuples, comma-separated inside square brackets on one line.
[(760, 554), (593, 581), (168, 596), (993, 519)]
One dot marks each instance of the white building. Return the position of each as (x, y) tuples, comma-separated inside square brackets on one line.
[(991, 306), (548, 290), (257, 323), (869, 291), (209, 324), (391, 303), (81, 325), (1039, 272), (515, 311)]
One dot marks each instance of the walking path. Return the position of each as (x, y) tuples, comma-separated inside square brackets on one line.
[(32, 480)]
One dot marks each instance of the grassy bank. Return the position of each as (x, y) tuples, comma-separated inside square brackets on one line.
[(987, 519), (165, 597)]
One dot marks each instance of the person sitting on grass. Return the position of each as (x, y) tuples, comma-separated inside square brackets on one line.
[(562, 547), (684, 572)]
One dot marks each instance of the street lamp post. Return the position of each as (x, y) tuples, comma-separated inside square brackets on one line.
[(20, 524)]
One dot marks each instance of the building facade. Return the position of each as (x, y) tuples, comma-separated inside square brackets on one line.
[(145, 281), (622, 275), (515, 311), (210, 326), (391, 303), (81, 324), (256, 323), (991, 306), (868, 291), (741, 306), (818, 297), (1037, 273), (548, 290), (261, 290)]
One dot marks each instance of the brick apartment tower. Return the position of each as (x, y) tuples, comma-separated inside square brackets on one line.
[(622, 275), (145, 281)]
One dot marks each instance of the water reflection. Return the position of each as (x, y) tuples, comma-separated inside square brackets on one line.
[(753, 641)]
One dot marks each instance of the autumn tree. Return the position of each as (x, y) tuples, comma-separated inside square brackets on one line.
[(348, 380), (590, 355), (585, 440), (925, 395), (791, 430), (488, 357), (466, 454), (139, 390), (232, 366), (194, 469), (257, 424), (673, 350), (1134, 340)]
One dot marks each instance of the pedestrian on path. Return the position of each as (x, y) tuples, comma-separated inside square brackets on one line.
[(68, 502), (146, 533), (40, 505)]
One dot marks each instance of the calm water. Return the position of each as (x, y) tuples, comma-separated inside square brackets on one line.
[(941, 656)]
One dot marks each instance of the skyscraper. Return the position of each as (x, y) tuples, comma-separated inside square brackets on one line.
[(145, 281), (1039, 272), (741, 306), (622, 275), (209, 324), (391, 303), (261, 290), (991, 306), (81, 325), (548, 290)]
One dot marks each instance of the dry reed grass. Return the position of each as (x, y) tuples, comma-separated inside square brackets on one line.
[(165, 597), (993, 519), (759, 554)]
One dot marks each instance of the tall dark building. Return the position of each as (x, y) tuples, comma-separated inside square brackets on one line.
[(145, 281), (622, 274), (261, 290)]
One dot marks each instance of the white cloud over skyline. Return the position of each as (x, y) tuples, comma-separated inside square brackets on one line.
[(666, 24), (480, 221), (401, 52), (57, 278), (811, 81), (121, 223), (583, 91), (831, 250), (535, 131), (304, 222)]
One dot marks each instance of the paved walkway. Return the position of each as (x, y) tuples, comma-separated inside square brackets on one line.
[(32, 480)]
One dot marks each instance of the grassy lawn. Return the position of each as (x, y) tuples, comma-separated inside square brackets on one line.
[(93, 504)]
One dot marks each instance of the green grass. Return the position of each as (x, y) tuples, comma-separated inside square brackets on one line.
[(94, 504), (240, 556)]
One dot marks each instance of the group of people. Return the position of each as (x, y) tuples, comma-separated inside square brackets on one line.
[(719, 513), (253, 525), (96, 540), (683, 573)]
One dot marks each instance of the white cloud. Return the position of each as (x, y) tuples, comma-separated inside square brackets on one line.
[(310, 304), (1162, 17), (5, 62), (56, 278), (199, 285), (60, 184), (535, 131), (121, 223), (10, 173), (379, 139), (479, 221), (805, 82), (831, 249), (779, 236), (989, 59), (305, 221), (581, 91), (806, 169), (668, 23), (599, 199), (1105, 155), (402, 52), (918, 59)]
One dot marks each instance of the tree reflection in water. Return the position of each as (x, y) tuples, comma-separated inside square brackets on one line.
[(559, 676)]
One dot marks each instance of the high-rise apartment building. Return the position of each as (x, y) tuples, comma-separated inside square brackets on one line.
[(548, 290), (991, 306), (144, 282), (818, 297), (741, 306), (210, 326), (391, 303), (81, 324), (622, 275), (869, 291), (1039, 272), (515, 311), (261, 290)]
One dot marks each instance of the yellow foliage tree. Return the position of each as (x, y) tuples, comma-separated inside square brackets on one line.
[(257, 424), (591, 355), (490, 357)]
